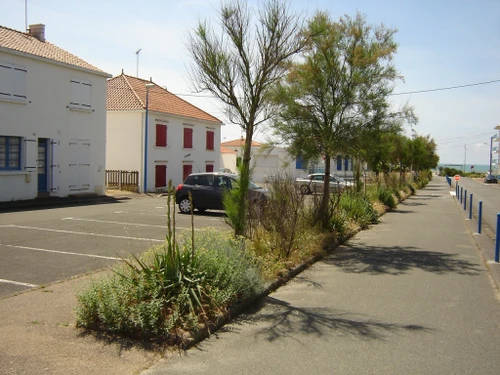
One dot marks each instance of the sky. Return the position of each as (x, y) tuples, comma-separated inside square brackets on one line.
[(442, 43)]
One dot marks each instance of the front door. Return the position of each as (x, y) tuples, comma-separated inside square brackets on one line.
[(42, 165)]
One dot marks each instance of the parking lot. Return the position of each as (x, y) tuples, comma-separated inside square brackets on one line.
[(39, 247)]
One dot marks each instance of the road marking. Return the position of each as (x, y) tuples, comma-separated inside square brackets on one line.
[(122, 223), (18, 283), (59, 252), (453, 193), (181, 215), (82, 233)]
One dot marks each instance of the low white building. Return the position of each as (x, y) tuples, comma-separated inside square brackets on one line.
[(158, 134), (52, 119), (268, 161)]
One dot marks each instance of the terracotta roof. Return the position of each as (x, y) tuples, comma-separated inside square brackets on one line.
[(226, 150), (239, 143), (23, 42), (129, 93)]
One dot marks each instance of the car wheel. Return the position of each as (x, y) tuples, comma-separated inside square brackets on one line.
[(185, 206), (304, 189)]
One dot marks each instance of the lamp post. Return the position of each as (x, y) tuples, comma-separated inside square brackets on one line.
[(137, 53), (148, 86)]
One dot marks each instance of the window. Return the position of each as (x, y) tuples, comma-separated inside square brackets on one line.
[(161, 135), (188, 138), (160, 176), (12, 82), (204, 180), (10, 153), (80, 94), (339, 163), (210, 140), (209, 168), (187, 169)]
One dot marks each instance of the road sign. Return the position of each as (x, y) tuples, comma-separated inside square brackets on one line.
[(457, 177)]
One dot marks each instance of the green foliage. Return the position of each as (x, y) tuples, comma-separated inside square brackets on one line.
[(359, 209), (385, 196)]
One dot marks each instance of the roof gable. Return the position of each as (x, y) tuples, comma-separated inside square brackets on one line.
[(239, 143), (129, 93), (23, 42)]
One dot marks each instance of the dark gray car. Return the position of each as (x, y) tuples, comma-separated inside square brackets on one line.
[(207, 190)]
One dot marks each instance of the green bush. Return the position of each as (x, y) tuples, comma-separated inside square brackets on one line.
[(359, 209), (385, 196), (171, 288)]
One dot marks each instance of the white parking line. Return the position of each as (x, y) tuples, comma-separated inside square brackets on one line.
[(82, 233), (18, 283), (196, 218), (59, 252), (121, 223)]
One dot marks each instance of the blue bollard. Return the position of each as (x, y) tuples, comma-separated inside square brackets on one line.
[(480, 217), (461, 193), (465, 200), (456, 190), (497, 243), (470, 207)]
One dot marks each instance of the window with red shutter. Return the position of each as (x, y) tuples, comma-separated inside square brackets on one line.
[(161, 135), (187, 169), (210, 140), (160, 176), (209, 168), (188, 138)]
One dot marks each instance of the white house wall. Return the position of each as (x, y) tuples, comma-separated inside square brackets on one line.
[(128, 128), (46, 114)]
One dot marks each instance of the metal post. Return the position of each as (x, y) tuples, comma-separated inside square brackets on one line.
[(480, 217), (470, 207), (497, 243), (465, 200), (461, 194)]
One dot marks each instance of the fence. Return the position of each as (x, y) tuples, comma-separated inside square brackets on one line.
[(123, 180)]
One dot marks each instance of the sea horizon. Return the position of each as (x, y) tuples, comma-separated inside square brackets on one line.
[(480, 168)]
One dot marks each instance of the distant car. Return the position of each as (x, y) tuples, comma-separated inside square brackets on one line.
[(490, 179), (207, 190), (225, 170), (314, 183)]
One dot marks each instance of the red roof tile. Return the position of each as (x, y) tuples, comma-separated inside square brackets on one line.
[(23, 42), (239, 143), (226, 150), (129, 93)]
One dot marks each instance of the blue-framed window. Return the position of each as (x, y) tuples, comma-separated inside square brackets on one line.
[(10, 153)]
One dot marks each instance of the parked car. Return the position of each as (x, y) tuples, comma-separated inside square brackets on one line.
[(490, 179), (207, 190), (314, 183)]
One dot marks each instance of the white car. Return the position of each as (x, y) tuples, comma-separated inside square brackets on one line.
[(314, 183)]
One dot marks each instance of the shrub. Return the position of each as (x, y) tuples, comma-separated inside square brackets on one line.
[(385, 196), (358, 208)]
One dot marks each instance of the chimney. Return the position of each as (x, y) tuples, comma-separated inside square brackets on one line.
[(38, 31)]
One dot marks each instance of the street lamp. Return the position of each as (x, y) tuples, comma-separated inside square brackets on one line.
[(148, 86), (137, 53)]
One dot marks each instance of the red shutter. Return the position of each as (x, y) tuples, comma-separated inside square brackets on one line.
[(210, 140), (161, 135), (209, 168), (188, 138), (187, 169), (160, 176)]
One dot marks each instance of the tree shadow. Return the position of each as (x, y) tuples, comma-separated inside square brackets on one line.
[(398, 261), (287, 320)]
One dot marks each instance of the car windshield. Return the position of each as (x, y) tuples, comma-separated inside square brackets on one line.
[(251, 185)]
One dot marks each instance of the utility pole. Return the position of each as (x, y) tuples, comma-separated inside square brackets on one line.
[(137, 53), (465, 157)]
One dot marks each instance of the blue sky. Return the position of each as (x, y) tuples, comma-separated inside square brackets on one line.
[(442, 43)]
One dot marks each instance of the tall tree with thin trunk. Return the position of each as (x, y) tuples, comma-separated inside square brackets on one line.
[(337, 91), (240, 64)]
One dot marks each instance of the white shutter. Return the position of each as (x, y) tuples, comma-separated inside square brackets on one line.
[(85, 165), (75, 96), (73, 156), (85, 88), (19, 83), (54, 165), (5, 80), (30, 154)]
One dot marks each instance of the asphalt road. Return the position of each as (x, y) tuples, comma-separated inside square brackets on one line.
[(43, 246), (489, 194)]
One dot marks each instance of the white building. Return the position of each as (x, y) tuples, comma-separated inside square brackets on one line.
[(148, 125), (268, 161), (52, 119)]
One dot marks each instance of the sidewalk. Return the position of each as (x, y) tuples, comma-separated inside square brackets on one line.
[(410, 295)]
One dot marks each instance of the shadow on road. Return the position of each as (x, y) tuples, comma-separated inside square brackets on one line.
[(398, 261), (286, 320)]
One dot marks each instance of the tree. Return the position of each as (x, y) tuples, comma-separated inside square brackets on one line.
[(241, 64), (337, 92)]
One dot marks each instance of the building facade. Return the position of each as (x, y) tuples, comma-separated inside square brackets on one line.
[(53, 119)]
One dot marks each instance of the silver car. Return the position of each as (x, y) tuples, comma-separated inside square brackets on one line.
[(314, 183)]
